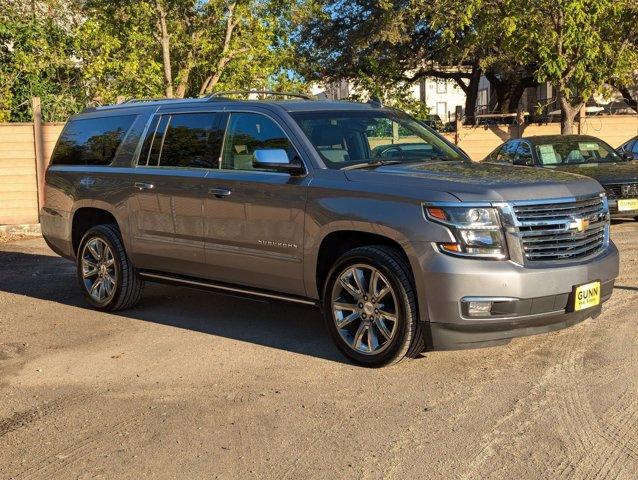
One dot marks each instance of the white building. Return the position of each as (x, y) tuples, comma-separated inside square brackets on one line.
[(441, 96)]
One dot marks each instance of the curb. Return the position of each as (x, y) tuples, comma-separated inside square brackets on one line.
[(23, 229)]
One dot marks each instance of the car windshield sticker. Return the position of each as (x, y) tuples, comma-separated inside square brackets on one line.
[(547, 154), (587, 146)]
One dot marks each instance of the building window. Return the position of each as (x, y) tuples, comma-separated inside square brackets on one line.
[(441, 87), (482, 101), (441, 110)]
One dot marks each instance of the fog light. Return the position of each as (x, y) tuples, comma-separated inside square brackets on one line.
[(479, 309)]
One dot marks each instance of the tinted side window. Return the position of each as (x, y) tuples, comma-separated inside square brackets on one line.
[(91, 141), (191, 140), (634, 148), (524, 155), (508, 151), (248, 132), (492, 156)]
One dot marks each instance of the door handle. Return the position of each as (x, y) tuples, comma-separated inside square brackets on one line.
[(144, 186), (220, 192)]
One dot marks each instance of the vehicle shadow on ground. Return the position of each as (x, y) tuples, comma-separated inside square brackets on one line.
[(280, 325)]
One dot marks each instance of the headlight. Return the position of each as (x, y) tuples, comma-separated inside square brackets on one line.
[(477, 230)]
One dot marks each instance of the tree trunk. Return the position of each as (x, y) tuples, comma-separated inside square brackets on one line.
[(568, 112), (184, 75), (226, 55), (165, 42), (627, 97), (509, 91), (471, 94)]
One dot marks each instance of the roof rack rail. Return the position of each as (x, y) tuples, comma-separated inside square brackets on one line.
[(149, 99), (215, 95)]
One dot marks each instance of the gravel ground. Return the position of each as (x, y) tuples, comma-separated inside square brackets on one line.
[(191, 384)]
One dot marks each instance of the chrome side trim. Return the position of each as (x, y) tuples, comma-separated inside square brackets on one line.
[(489, 299), (225, 288)]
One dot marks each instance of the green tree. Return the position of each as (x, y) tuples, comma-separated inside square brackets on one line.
[(579, 46), (36, 59), (400, 41), (183, 47)]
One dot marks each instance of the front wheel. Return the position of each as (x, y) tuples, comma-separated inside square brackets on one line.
[(370, 307), (105, 273)]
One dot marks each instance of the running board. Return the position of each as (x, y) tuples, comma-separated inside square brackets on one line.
[(160, 277)]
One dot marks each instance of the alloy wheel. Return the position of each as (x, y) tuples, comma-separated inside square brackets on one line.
[(98, 270), (365, 309)]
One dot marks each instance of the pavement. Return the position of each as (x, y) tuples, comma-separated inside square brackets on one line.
[(191, 384)]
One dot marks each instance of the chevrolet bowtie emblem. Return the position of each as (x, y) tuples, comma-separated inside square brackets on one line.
[(580, 224)]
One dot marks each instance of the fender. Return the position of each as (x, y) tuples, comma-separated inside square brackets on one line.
[(311, 250), (119, 212)]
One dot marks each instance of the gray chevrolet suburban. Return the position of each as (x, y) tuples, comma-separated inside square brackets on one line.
[(403, 242)]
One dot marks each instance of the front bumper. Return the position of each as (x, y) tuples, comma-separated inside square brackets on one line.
[(540, 297)]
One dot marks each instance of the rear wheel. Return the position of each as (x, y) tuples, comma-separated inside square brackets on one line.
[(370, 307), (105, 273)]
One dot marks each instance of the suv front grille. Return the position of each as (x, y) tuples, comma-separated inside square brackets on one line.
[(624, 190), (562, 230)]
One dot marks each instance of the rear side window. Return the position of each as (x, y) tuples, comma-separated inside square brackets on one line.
[(524, 155), (507, 152), (91, 141), (190, 140)]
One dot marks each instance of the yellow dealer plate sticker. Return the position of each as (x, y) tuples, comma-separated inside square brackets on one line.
[(586, 296), (627, 204)]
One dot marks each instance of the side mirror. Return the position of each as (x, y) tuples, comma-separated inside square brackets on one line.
[(276, 159)]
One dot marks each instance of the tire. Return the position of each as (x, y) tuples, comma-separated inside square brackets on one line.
[(120, 283), (382, 341)]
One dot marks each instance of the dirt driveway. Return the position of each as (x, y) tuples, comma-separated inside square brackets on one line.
[(196, 385)]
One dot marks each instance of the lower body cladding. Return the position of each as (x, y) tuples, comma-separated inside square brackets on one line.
[(474, 303)]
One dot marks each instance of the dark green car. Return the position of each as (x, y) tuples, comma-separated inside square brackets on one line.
[(581, 154)]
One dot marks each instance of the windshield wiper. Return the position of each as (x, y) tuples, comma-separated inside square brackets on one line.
[(371, 164)]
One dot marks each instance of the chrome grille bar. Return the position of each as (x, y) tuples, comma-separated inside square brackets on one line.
[(559, 230)]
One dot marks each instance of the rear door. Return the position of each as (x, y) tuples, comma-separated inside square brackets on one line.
[(254, 218), (167, 206)]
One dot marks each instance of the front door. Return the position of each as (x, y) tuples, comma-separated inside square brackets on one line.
[(254, 218), (169, 188)]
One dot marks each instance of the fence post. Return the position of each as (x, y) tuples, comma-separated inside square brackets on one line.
[(458, 121), (582, 115), (38, 144)]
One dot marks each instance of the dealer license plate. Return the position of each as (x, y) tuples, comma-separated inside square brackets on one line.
[(627, 204), (586, 296)]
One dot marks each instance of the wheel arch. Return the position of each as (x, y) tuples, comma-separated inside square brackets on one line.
[(89, 214), (336, 239)]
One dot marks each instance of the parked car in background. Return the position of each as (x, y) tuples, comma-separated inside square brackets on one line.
[(581, 154), (289, 200), (629, 149), (433, 121)]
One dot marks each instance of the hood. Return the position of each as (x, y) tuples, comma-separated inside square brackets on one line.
[(605, 173), (470, 181)]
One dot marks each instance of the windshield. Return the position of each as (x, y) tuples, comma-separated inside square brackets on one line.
[(574, 152), (346, 138)]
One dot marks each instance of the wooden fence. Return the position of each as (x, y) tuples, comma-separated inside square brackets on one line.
[(20, 175), (481, 140)]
